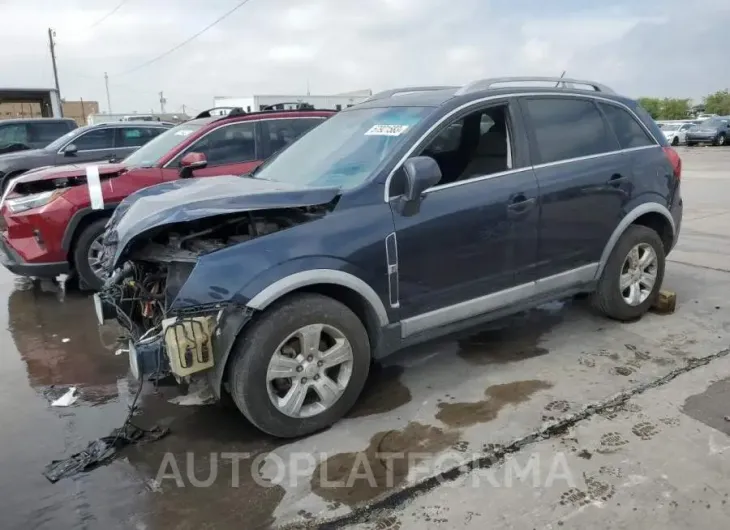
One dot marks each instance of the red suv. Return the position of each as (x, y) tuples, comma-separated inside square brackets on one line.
[(54, 217)]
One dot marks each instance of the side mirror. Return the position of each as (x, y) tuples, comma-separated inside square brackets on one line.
[(421, 173), (190, 162), (70, 150)]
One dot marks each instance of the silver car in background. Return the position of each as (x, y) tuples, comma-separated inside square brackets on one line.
[(676, 131)]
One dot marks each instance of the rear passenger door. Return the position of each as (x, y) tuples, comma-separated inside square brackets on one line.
[(585, 182), (276, 134), (231, 149), (129, 139)]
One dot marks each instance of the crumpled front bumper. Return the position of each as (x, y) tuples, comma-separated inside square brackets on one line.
[(155, 350)]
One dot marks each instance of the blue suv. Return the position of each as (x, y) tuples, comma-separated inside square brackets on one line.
[(420, 212)]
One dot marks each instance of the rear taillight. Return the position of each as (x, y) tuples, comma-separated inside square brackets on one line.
[(674, 159)]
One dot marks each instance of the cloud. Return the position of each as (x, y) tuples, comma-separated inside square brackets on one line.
[(651, 47)]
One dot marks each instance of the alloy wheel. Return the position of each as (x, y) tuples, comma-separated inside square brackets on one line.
[(95, 256), (638, 274), (309, 371)]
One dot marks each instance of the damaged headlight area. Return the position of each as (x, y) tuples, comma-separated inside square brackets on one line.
[(29, 202), (139, 294)]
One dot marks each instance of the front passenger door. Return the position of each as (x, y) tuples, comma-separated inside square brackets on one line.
[(92, 146), (231, 149), (475, 234)]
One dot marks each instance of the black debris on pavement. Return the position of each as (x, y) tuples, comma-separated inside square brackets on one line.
[(102, 451)]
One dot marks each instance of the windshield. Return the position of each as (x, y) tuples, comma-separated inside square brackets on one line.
[(150, 153), (345, 150), (58, 143)]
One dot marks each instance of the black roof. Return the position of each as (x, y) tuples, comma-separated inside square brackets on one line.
[(438, 95)]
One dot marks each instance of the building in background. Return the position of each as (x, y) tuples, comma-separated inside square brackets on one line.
[(257, 102), (76, 110), (172, 117)]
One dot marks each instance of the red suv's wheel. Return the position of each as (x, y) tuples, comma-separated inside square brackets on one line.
[(87, 256)]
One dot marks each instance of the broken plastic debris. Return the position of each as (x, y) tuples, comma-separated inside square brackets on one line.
[(198, 394), (101, 451), (66, 400)]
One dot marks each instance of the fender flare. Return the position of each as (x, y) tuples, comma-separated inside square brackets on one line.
[(298, 280), (75, 221), (629, 218)]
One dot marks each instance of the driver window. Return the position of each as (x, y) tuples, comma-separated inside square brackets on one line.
[(229, 144), (472, 146)]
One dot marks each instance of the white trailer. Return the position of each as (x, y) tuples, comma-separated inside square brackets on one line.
[(258, 102)]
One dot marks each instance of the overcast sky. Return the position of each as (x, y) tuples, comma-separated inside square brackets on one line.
[(639, 47)]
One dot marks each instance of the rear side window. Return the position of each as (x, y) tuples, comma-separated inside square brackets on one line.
[(136, 136), (47, 132), (568, 128), (627, 129)]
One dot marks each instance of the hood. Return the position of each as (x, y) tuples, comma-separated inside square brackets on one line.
[(9, 159), (190, 199), (71, 170)]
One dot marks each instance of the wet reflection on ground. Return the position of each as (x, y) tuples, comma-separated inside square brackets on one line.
[(52, 342)]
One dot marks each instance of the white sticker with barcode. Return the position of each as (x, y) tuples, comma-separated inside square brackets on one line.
[(386, 130), (94, 183)]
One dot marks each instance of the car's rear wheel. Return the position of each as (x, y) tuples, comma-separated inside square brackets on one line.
[(87, 255), (633, 275), (301, 366)]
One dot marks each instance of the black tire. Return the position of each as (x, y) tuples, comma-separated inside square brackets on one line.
[(608, 298), (721, 139), (691, 144), (675, 141), (87, 279), (253, 350)]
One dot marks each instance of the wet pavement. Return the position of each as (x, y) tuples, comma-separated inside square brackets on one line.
[(435, 407)]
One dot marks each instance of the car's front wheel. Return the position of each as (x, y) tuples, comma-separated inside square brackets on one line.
[(633, 275), (675, 141), (87, 256), (300, 366), (721, 139)]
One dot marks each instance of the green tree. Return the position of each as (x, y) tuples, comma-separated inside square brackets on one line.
[(653, 106), (718, 103), (674, 109)]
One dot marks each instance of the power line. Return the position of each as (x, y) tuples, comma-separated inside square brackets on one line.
[(110, 13), (186, 41)]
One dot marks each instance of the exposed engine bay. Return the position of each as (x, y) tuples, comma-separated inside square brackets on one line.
[(158, 265)]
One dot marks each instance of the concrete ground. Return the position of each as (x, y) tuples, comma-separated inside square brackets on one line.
[(553, 418)]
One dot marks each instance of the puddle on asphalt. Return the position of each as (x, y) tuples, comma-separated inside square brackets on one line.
[(353, 478), (498, 397), (61, 343), (712, 406), (513, 338), (383, 392)]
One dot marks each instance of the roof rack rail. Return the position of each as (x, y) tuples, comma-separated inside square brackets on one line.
[(231, 111), (407, 90), (484, 84), (297, 105)]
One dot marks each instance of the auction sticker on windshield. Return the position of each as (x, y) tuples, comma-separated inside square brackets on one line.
[(386, 130)]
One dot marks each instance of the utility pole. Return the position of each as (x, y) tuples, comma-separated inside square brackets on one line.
[(52, 45), (162, 103), (108, 99), (183, 109)]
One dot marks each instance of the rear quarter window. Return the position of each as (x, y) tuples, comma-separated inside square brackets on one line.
[(564, 129), (628, 131)]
